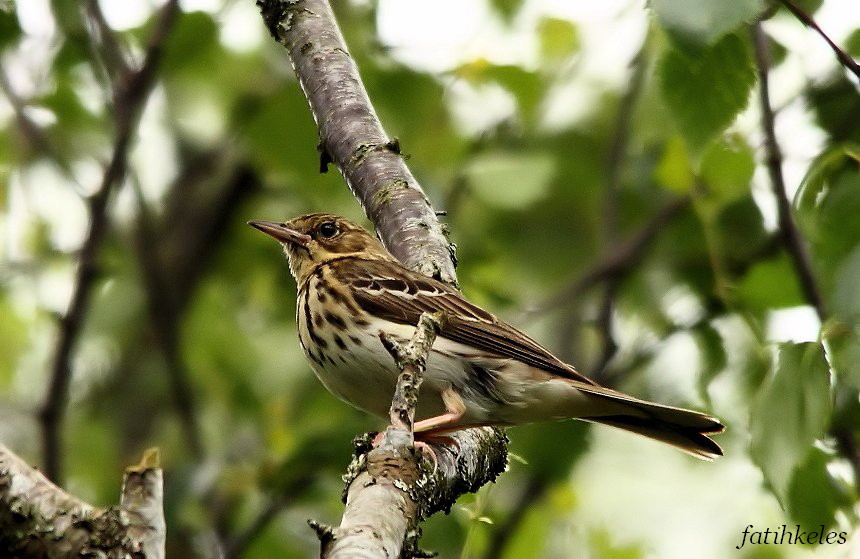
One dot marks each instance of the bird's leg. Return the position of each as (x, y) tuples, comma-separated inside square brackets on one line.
[(454, 410)]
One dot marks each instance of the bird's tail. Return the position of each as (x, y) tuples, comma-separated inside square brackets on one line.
[(684, 429)]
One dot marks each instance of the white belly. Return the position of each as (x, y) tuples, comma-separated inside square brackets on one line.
[(364, 373)]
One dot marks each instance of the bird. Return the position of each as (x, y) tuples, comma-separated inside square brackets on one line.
[(480, 371)]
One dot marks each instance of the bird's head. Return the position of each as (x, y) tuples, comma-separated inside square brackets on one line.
[(313, 239)]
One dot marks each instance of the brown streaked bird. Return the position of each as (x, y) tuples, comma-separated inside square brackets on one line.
[(480, 370)]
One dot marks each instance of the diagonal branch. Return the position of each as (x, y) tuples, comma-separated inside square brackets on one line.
[(615, 164), (619, 261), (352, 137), (843, 57), (135, 90)]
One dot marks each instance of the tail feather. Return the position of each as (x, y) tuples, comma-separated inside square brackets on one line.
[(684, 429)]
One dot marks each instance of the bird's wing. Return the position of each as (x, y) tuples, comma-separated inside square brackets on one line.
[(391, 292)]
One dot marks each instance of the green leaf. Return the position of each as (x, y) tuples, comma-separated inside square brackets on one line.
[(843, 351), (814, 495), (559, 38), (705, 89), (673, 170), (727, 169), (770, 284), (852, 43), (792, 411), (510, 180), (703, 21), (526, 86), (507, 8), (846, 296), (713, 356), (826, 165), (836, 106), (9, 28)]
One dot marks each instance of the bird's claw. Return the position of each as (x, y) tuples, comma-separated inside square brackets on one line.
[(428, 451), (425, 448)]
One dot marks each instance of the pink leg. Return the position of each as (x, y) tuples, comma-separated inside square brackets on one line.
[(455, 408)]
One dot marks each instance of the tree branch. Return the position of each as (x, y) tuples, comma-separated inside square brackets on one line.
[(843, 57), (352, 137), (39, 519), (790, 234), (135, 91), (618, 261), (411, 359), (615, 164), (165, 325), (389, 495)]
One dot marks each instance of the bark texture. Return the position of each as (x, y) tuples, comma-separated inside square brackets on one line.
[(40, 520), (352, 137)]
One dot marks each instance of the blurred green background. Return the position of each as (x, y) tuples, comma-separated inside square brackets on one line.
[(603, 170)]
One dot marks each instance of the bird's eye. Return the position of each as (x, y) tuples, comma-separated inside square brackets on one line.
[(328, 229)]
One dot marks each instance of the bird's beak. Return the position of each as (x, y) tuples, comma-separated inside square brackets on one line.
[(281, 233)]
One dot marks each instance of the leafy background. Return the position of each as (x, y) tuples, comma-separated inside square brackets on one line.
[(559, 137)]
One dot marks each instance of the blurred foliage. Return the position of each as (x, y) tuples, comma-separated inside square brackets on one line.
[(544, 166)]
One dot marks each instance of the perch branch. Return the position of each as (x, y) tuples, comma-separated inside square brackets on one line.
[(37, 518), (389, 494), (614, 166)]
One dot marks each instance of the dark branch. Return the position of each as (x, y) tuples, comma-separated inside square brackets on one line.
[(165, 325), (137, 86), (843, 57), (615, 164), (789, 233), (619, 261)]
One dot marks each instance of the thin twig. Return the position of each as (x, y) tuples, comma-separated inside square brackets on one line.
[(843, 57), (790, 234), (618, 261), (614, 166), (31, 131), (110, 50), (136, 88), (411, 359)]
